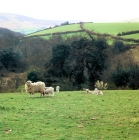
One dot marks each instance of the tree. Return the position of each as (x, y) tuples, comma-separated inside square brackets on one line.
[(126, 77), (95, 60), (82, 61), (119, 46), (10, 58), (59, 54), (120, 76)]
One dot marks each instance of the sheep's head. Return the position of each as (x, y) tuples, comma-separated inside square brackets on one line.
[(28, 83)]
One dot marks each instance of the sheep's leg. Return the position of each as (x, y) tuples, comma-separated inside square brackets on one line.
[(31, 95), (52, 93)]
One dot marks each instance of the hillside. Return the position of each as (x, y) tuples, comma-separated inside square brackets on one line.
[(4, 32), (124, 31), (26, 24), (37, 51)]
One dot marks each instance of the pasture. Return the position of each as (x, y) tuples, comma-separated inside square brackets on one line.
[(72, 27), (108, 28), (70, 115)]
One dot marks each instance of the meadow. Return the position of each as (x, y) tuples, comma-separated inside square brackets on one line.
[(70, 115), (72, 27), (102, 28), (111, 28)]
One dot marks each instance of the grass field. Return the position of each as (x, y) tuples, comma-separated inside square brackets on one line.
[(72, 27), (112, 28), (108, 28), (70, 115)]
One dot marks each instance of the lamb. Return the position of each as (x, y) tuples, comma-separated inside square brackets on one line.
[(49, 90), (35, 87), (57, 88), (87, 91), (97, 92)]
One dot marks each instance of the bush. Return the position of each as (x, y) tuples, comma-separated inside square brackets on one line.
[(126, 77), (65, 84), (10, 59), (35, 76), (100, 85)]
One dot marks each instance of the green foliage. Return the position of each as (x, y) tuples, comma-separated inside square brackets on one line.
[(10, 58), (119, 46), (95, 60), (65, 23), (65, 84), (35, 76), (70, 115), (126, 77), (82, 61), (60, 53)]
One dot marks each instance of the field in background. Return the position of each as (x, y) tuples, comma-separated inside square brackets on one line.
[(70, 115), (112, 28), (72, 27), (102, 28)]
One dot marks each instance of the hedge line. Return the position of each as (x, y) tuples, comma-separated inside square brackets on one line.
[(56, 33), (128, 33)]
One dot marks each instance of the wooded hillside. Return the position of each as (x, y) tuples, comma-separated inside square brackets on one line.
[(73, 61)]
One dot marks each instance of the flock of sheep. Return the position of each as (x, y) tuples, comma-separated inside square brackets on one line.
[(40, 87)]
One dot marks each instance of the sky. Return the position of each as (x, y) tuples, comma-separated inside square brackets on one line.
[(88, 10)]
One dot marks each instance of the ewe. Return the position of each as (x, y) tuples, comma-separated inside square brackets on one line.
[(32, 88)]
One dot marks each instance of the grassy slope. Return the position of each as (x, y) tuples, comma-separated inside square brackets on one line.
[(70, 115), (72, 27), (109, 28)]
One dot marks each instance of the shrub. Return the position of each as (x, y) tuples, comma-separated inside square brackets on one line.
[(126, 77), (100, 85)]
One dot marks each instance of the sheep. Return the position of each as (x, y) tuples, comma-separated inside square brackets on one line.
[(35, 87), (87, 91), (49, 90), (97, 92), (57, 88)]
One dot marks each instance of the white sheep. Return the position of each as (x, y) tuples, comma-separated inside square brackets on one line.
[(97, 92), (35, 87), (57, 88), (49, 90), (87, 91)]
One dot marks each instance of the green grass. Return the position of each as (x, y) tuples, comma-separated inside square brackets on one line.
[(108, 28), (135, 36), (72, 27), (111, 28), (72, 115), (81, 34)]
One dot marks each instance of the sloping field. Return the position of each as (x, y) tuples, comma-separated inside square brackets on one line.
[(72, 27), (111, 29)]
